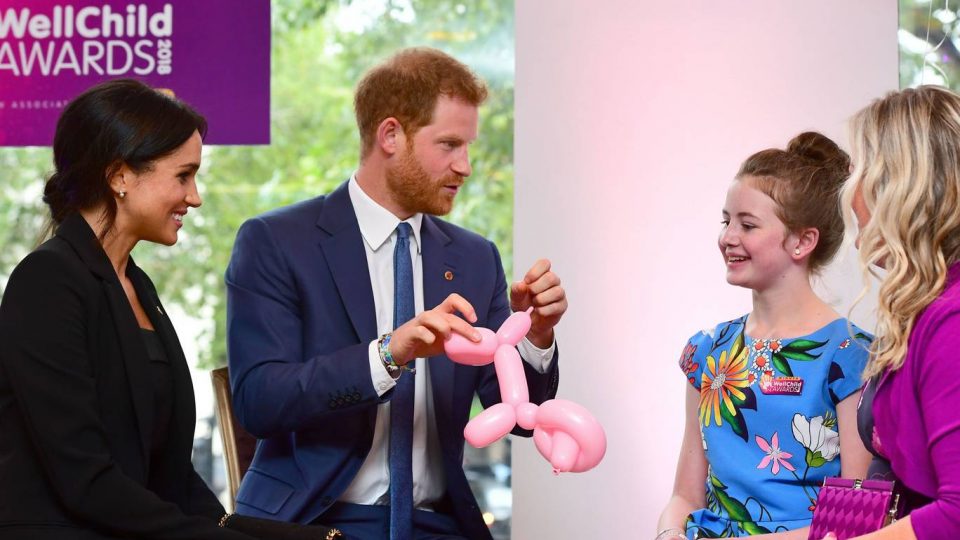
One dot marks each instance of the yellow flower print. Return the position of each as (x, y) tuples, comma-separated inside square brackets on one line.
[(720, 382)]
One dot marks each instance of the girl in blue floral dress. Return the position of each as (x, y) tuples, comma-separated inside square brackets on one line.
[(771, 406)]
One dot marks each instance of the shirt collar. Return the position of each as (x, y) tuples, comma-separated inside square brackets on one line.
[(376, 222)]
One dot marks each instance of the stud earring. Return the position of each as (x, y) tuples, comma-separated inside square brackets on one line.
[(124, 194), (796, 251)]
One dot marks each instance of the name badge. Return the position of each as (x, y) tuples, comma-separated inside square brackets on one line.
[(781, 386)]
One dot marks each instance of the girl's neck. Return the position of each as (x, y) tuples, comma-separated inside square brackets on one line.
[(790, 309)]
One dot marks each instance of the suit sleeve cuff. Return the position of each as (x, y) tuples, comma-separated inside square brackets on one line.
[(382, 381), (538, 358)]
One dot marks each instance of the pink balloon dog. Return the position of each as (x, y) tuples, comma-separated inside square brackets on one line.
[(564, 432)]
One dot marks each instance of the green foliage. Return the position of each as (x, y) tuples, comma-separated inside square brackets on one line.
[(799, 350), (782, 365), (735, 509), (320, 49), (929, 31), (814, 459), (22, 175)]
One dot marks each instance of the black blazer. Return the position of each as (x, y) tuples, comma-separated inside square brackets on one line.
[(76, 406)]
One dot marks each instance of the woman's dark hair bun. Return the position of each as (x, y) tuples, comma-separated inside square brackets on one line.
[(55, 197), (121, 121)]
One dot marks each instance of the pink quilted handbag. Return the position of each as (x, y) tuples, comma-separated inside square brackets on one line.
[(850, 508)]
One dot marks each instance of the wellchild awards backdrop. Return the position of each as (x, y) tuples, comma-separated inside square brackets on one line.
[(213, 54)]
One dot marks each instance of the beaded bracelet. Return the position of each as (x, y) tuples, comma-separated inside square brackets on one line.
[(671, 532), (383, 345)]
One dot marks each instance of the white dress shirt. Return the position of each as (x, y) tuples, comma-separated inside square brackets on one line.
[(371, 485)]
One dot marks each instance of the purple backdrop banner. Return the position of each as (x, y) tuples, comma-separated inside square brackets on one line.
[(213, 54)]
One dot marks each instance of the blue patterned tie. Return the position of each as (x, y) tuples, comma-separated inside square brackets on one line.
[(401, 405)]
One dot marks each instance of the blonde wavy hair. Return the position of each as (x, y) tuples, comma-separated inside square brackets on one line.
[(906, 166)]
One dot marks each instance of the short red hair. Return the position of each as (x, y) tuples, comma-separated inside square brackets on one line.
[(406, 86)]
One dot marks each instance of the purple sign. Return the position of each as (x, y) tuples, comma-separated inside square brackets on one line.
[(213, 54)]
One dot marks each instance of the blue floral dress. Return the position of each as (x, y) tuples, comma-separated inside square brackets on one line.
[(768, 417)]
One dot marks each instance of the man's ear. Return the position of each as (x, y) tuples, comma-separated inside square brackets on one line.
[(390, 136)]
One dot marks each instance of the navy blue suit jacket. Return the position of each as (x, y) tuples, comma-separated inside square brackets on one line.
[(300, 317)]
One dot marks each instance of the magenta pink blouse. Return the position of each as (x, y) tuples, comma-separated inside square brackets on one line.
[(917, 415)]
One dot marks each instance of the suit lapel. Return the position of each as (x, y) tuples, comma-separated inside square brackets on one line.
[(184, 412), (80, 236), (347, 260), (343, 249), (134, 354), (440, 261)]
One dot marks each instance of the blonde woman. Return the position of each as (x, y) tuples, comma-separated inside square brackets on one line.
[(905, 194)]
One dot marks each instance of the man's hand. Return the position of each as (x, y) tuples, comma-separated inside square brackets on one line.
[(423, 336), (541, 289)]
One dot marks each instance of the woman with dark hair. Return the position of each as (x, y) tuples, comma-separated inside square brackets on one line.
[(96, 404)]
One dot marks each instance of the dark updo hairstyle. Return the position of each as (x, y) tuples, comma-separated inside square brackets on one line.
[(115, 123), (805, 181)]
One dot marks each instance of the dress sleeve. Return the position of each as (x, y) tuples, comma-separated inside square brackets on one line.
[(693, 357), (846, 368), (939, 397)]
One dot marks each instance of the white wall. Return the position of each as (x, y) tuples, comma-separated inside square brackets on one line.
[(631, 119)]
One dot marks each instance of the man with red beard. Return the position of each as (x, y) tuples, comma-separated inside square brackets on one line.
[(338, 308)]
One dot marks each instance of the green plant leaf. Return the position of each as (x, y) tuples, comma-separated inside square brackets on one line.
[(734, 508), (737, 346), (814, 459), (798, 355), (803, 345), (753, 528), (736, 421), (781, 364)]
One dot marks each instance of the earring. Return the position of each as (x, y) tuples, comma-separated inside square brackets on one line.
[(124, 194), (796, 251)]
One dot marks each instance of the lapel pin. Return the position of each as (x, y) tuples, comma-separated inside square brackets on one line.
[(448, 275), (160, 311)]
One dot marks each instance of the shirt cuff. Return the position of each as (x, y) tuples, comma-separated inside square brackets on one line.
[(538, 358), (382, 381)]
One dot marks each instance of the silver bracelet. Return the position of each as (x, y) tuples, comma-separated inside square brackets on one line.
[(671, 532)]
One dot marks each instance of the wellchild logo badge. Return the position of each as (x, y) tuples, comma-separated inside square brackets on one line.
[(780, 386)]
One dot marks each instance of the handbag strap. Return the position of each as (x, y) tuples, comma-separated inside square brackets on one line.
[(865, 421), (880, 468)]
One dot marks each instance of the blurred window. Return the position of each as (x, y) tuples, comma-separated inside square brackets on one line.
[(320, 49)]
